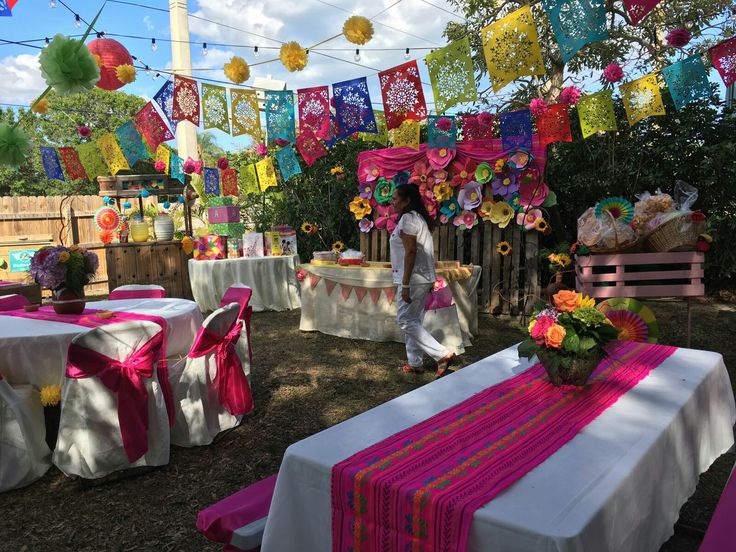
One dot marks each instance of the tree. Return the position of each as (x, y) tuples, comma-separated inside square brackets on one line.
[(209, 150)]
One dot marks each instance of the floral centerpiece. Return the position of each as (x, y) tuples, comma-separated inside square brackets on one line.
[(569, 337), (65, 271)]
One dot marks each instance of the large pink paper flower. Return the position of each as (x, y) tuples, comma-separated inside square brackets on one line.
[(470, 196), (386, 218), (570, 95), (422, 174), (369, 173), (439, 158), (529, 218), (431, 204), (533, 194), (468, 219), (538, 106), (464, 172), (613, 72)]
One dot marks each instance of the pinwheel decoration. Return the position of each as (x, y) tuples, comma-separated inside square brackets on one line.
[(632, 318), (617, 207), (108, 219)]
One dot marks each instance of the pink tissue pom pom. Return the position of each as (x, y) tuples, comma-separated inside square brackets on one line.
[(223, 163), (262, 150), (160, 166), (613, 72), (444, 124), (570, 95), (538, 106), (485, 119), (189, 166), (677, 38), (84, 131)]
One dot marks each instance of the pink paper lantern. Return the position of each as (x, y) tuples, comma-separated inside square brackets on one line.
[(112, 54)]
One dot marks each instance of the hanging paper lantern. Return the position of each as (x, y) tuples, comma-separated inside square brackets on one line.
[(112, 54), (293, 56), (237, 70), (633, 319), (107, 219), (618, 207), (125, 73), (358, 29)]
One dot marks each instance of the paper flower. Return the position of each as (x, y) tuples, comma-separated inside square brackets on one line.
[(365, 225), (84, 131), (485, 209), (533, 194), (301, 275), (439, 158), (237, 70), (444, 124), (528, 219), (499, 166), (400, 178), (540, 225), (570, 95), (223, 163), (187, 245), (40, 106), (262, 150), (358, 29), (431, 204), (678, 38), (50, 395), (293, 56), (422, 174), (384, 191), (68, 66), (125, 73), (386, 218), (501, 214), (450, 208), (360, 207), (338, 246), (504, 248), (106, 237), (485, 119), (366, 190), (159, 166), (613, 73), (470, 196), (14, 145), (369, 173), (519, 160), (463, 172), (538, 107), (280, 142), (483, 173), (188, 166), (505, 185), (442, 191), (467, 219), (530, 175)]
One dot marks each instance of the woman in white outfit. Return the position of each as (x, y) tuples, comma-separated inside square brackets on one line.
[(412, 265)]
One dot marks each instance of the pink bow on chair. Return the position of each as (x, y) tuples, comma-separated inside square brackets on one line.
[(125, 378), (231, 382)]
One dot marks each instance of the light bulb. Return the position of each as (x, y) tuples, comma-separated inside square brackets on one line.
[(77, 21), (154, 46), (204, 48), (255, 51), (406, 54), (356, 57), (52, 3)]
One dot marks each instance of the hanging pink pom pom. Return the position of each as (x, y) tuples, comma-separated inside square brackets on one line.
[(570, 95), (159, 166), (198, 167), (613, 73), (223, 163), (189, 166), (84, 131), (444, 124), (677, 38), (538, 106), (485, 119), (262, 150)]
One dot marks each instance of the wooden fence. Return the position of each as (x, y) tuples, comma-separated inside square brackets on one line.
[(509, 284)]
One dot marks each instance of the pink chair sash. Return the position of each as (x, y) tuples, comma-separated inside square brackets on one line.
[(137, 294), (238, 295), (12, 302), (125, 379), (232, 386)]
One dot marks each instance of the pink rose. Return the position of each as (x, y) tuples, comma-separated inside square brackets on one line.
[(540, 328)]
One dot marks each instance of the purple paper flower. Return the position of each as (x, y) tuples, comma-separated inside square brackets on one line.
[(505, 185), (365, 191), (470, 196), (365, 225)]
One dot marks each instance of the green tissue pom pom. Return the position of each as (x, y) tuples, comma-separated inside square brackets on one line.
[(14, 145), (68, 66)]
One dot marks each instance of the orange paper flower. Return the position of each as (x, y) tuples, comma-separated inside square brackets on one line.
[(566, 300), (554, 336)]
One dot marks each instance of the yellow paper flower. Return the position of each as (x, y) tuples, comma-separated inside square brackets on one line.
[(237, 70), (360, 207), (358, 29), (336, 170), (293, 56), (540, 225), (338, 246), (50, 395), (63, 257), (187, 245), (125, 73), (504, 248), (486, 209), (41, 106), (442, 191), (501, 214), (499, 165), (587, 302)]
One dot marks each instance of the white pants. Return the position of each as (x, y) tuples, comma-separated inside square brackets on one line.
[(409, 317)]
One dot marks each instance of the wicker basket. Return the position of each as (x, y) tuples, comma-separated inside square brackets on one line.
[(677, 234), (619, 246)]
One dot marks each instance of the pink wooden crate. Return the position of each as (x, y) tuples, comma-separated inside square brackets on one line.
[(678, 274)]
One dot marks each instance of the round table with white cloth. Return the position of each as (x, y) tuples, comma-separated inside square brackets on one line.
[(272, 280), (34, 351)]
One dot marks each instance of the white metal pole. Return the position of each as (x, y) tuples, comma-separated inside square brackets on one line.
[(186, 132)]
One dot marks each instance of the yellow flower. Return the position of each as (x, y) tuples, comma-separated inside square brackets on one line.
[(504, 248), (41, 106), (499, 165), (338, 246), (358, 29), (237, 70), (293, 56), (336, 170), (50, 395), (532, 322), (187, 245), (360, 207), (564, 260), (586, 302), (501, 214), (64, 257), (540, 225), (309, 228), (486, 209), (442, 191), (125, 73)]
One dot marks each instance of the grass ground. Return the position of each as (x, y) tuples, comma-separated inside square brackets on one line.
[(302, 383)]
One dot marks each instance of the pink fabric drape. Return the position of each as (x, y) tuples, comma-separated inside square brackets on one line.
[(13, 302), (125, 379)]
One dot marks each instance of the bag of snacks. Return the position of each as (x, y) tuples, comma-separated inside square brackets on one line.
[(605, 234), (679, 228)]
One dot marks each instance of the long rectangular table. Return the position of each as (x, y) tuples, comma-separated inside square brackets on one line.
[(617, 485)]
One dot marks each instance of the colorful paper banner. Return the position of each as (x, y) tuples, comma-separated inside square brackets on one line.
[(353, 106), (131, 143), (596, 113), (687, 80), (280, 115), (229, 179), (381, 134), (639, 9), (451, 75), (177, 168), (165, 100), (112, 154), (214, 107), (406, 135), (442, 135), (554, 125), (576, 23), (92, 160), (152, 126), (724, 60), (403, 98), (51, 164), (211, 181), (310, 147), (516, 129), (186, 100), (642, 98), (288, 163), (163, 153), (72, 163), (247, 180), (314, 111), (266, 174), (245, 114)]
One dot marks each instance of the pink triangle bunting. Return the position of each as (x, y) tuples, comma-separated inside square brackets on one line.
[(330, 285), (390, 294), (360, 293), (375, 294), (314, 280), (345, 289)]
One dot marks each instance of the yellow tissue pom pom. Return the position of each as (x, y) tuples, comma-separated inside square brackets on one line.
[(125, 73), (50, 395), (358, 29), (293, 56), (41, 106), (237, 70), (187, 245)]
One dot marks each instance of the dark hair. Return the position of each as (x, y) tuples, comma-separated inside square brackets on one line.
[(411, 192)]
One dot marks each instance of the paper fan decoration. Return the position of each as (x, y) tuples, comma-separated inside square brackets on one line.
[(107, 218), (633, 319), (618, 207)]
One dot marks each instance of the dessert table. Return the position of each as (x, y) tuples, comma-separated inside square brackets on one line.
[(272, 279), (617, 485), (34, 351)]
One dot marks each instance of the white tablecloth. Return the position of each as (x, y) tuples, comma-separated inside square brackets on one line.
[(273, 281), (616, 486), (34, 351)]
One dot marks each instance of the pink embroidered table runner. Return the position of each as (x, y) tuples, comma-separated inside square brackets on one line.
[(418, 489), (90, 319)]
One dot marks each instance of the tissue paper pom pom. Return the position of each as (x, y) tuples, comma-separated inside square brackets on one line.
[(538, 106), (159, 166), (50, 395), (444, 124), (223, 163), (677, 38), (358, 29), (106, 237), (84, 131), (293, 56), (613, 73), (237, 70), (570, 95), (40, 106), (125, 73), (68, 66), (14, 145), (188, 167), (262, 150)]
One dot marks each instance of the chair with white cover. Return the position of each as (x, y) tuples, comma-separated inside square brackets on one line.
[(113, 413), (211, 387), (137, 291), (240, 293), (12, 302), (24, 455)]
